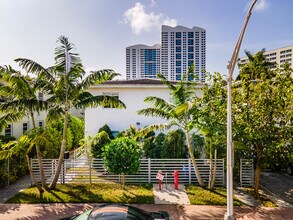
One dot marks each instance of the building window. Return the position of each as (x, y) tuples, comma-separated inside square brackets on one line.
[(190, 42), (178, 34), (190, 35), (178, 42), (24, 127), (113, 94), (41, 124), (8, 130)]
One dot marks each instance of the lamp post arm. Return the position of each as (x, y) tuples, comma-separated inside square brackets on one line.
[(232, 63)]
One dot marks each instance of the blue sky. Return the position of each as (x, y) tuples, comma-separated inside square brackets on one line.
[(102, 29)]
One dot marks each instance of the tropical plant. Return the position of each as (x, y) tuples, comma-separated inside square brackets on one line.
[(66, 85), (122, 156), (174, 145), (180, 112), (97, 143), (107, 129), (21, 93)]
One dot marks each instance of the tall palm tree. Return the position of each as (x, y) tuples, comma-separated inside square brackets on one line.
[(66, 85), (256, 64), (179, 112), (22, 100)]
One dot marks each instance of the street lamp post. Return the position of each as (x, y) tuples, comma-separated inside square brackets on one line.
[(231, 65)]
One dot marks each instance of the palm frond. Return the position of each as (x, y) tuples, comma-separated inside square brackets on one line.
[(166, 82), (33, 67), (9, 118), (154, 127), (155, 112), (159, 103), (54, 114), (97, 77), (100, 100), (64, 58)]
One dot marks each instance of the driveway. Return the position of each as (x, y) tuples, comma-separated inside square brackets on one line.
[(278, 183)]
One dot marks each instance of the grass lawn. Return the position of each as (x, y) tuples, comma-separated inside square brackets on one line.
[(83, 193), (200, 196)]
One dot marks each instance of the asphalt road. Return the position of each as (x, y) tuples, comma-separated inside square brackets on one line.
[(280, 184)]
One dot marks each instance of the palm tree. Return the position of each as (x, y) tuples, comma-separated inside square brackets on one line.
[(21, 93), (256, 64), (66, 85), (179, 112)]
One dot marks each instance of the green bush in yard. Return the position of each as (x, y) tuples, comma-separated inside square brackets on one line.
[(122, 156), (98, 142)]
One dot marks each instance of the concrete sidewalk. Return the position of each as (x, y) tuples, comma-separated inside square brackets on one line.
[(178, 212), (11, 190)]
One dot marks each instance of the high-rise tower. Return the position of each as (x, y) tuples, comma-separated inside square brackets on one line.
[(180, 47), (143, 61)]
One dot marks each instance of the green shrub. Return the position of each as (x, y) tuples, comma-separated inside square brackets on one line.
[(76, 125), (98, 142), (122, 156), (107, 129), (174, 145)]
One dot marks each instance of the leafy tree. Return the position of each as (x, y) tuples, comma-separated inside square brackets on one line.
[(99, 141), (174, 145), (211, 121), (107, 129), (154, 146), (67, 86), (122, 156), (180, 112), (198, 143), (263, 112)]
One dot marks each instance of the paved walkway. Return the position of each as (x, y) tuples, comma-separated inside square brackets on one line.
[(168, 195), (13, 189)]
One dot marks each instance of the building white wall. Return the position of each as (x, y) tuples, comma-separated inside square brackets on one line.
[(120, 119)]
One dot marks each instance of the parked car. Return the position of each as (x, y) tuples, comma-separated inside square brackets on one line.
[(119, 212)]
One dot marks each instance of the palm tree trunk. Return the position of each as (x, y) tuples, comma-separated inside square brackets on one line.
[(190, 149), (39, 156), (62, 150), (41, 191)]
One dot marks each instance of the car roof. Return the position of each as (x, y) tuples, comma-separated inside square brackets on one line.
[(109, 213)]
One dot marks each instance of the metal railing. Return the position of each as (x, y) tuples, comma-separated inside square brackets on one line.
[(92, 171), (246, 172)]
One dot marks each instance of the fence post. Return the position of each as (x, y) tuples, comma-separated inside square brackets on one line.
[(149, 170), (90, 169), (31, 167), (241, 172), (189, 170), (8, 172), (63, 172)]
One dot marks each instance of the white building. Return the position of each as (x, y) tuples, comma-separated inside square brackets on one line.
[(132, 93), (182, 47), (143, 61), (280, 56)]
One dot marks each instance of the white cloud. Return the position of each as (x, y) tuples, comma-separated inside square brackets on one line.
[(260, 5), (141, 21), (153, 3)]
